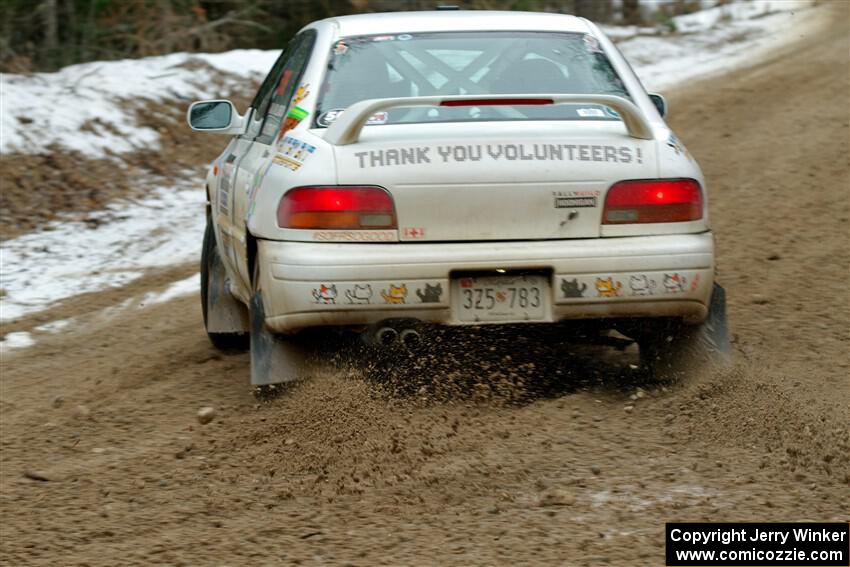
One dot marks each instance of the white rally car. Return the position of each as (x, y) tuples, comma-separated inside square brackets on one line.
[(456, 168)]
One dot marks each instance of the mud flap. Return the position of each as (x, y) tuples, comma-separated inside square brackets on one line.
[(274, 359), (225, 314), (677, 350), (713, 335)]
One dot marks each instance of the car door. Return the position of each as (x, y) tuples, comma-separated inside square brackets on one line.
[(276, 99), (225, 197)]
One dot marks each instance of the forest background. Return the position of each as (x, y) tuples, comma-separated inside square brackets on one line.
[(46, 35)]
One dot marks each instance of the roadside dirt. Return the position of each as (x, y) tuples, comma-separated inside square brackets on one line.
[(38, 188), (551, 470)]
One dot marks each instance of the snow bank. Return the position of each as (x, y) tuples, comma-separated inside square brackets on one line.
[(61, 108), (709, 41)]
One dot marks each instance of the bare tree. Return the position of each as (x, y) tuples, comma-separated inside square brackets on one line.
[(631, 12), (51, 35)]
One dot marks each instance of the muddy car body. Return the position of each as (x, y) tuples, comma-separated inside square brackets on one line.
[(454, 168)]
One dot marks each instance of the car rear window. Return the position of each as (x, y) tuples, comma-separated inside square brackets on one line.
[(474, 63)]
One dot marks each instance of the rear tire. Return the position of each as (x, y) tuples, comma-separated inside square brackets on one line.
[(677, 349), (210, 261)]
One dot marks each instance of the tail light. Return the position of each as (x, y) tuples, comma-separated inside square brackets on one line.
[(337, 207), (653, 200)]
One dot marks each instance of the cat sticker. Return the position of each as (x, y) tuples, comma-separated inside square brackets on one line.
[(695, 283), (674, 283), (571, 288), (431, 293), (395, 295), (325, 294), (360, 294), (641, 285), (608, 288)]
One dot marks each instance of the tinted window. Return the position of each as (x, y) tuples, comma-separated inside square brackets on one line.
[(262, 99), (484, 63), (275, 94)]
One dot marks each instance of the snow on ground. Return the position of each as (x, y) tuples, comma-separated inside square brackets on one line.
[(20, 339), (60, 108), (68, 258), (54, 326), (709, 41), (180, 288)]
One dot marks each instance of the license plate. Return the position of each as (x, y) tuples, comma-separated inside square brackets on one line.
[(501, 298)]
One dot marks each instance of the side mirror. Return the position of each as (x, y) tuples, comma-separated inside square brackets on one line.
[(215, 116), (660, 103)]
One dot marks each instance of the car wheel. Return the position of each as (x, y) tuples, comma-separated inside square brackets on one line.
[(677, 349), (212, 287), (275, 360)]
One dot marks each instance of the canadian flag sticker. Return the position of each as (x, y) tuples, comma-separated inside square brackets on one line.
[(414, 232)]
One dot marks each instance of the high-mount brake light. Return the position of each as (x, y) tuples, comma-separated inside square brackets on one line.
[(653, 201), (498, 102), (337, 208)]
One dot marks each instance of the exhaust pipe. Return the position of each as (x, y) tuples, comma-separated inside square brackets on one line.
[(386, 336), (411, 338)]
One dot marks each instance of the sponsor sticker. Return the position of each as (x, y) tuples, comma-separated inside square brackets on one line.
[(298, 113), (302, 93), (354, 235), (378, 118), (293, 119), (327, 118), (590, 112), (574, 202), (293, 153)]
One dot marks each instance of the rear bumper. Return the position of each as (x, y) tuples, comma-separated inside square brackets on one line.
[(314, 284)]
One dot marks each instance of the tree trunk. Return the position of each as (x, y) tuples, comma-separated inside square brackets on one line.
[(70, 34), (631, 13), (51, 36)]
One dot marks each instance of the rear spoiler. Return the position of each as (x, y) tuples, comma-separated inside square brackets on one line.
[(346, 129)]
